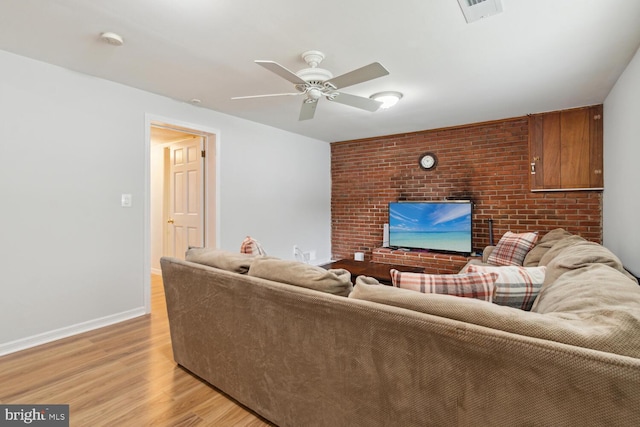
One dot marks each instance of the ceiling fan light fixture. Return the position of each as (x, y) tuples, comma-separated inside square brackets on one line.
[(388, 99), (315, 83)]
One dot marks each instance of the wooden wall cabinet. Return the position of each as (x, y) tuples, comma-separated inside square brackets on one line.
[(565, 149)]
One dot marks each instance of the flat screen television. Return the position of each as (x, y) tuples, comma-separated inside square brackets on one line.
[(437, 226)]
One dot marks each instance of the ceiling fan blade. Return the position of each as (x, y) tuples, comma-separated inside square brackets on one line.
[(278, 69), (356, 101), (363, 74), (308, 110), (267, 95)]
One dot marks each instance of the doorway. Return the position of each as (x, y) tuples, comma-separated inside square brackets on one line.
[(182, 189)]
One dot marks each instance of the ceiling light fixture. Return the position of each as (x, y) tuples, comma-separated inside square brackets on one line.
[(388, 99), (112, 38)]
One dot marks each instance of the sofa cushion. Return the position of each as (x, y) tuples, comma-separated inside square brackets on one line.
[(225, 260), (512, 248), (592, 286), (559, 246), (575, 253), (543, 245), (592, 329), (337, 281), (599, 297), (516, 286), (251, 246), (579, 255), (469, 285)]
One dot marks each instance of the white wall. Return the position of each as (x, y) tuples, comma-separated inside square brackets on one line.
[(72, 258), (281, 194), (621, 200)]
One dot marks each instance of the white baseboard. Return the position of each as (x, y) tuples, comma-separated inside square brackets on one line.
[(46, 337), (157, 271)]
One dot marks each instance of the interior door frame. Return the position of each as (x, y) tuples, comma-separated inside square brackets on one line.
[(211, 194)]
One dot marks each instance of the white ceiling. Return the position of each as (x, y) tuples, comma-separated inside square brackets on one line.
[(538, 55)]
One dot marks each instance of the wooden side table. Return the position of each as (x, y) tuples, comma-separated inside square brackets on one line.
[(377, 270)]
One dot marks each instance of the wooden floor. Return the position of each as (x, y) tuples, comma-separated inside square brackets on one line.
[(121, 375)]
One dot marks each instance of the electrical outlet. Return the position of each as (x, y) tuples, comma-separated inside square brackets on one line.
[(304, 256)]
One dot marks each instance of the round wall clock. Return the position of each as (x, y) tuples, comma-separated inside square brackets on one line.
[(428, 161)]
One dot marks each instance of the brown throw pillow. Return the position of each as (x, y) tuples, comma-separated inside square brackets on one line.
[(542, 247), (337, 282), (224, 260)]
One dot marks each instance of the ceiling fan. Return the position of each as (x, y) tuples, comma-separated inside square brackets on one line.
[(315, 83)]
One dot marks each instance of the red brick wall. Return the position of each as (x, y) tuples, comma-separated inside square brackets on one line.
[(432, 262), (486, 162)]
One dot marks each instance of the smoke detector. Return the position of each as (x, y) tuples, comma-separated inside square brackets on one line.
[(474, 10), (112, 38)]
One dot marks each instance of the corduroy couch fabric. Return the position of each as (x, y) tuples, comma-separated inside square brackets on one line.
[(301, 357)]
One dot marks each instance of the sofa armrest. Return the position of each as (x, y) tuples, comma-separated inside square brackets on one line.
[(486, 252)]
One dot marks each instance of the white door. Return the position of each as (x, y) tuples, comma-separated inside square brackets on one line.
[(185, 214)]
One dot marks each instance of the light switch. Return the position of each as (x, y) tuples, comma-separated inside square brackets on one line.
[(125, 200)]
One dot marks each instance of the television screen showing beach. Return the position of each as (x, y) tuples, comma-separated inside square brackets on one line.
[(438, 226)]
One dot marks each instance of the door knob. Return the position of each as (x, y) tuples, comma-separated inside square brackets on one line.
[(170, 221)]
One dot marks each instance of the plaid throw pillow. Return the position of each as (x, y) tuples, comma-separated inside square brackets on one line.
[(251, 246), (512, 248), (516, 287), (470, 285)]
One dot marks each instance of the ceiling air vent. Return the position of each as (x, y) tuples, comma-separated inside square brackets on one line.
[(478, 9)]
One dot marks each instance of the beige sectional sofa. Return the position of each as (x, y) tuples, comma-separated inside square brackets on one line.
[(300, 347)]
